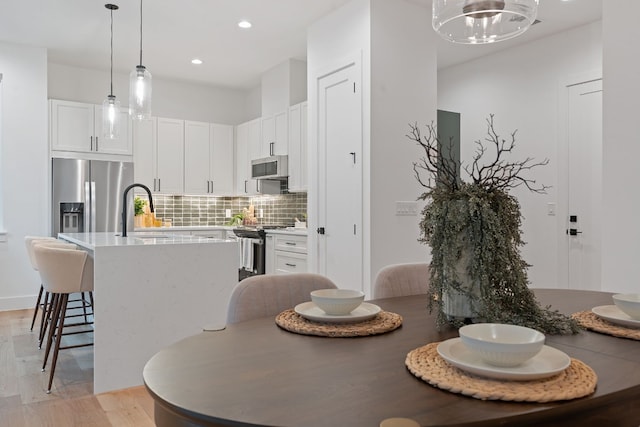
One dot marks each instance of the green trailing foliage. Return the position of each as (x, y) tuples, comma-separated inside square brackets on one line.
[(479, 222)]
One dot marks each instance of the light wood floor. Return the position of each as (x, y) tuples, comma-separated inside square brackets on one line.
[(23, 398)]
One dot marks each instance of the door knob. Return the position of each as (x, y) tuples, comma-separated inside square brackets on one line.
[(320, 230)]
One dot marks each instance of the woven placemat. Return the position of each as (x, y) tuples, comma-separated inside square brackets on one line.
[(578, 380), (384, 321), (590, 320)]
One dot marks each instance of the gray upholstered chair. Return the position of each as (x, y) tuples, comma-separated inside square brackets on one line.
[(270, 294), (399, 280)]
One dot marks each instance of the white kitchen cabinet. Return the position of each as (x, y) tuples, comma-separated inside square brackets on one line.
[(144, 153), (77, 127), (275, 130), (159, 154), (285, 253), (298, 147), (208, 158), (197, 158), (289, 262), (222, 164), (248, 143), (170, 159)]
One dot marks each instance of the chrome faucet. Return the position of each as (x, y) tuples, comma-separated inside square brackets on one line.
[(124, 205)]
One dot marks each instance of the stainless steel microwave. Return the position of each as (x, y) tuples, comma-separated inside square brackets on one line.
[(274, 167)]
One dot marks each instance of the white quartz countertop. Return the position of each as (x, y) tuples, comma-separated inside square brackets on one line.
[(186, 228), (136, 238)]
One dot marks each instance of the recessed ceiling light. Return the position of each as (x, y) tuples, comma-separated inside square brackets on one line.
[(196, 61), (244, 24)]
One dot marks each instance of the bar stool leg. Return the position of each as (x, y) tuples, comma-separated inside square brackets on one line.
[(55, 314), (64, 298), (35, 312), (46, 317)]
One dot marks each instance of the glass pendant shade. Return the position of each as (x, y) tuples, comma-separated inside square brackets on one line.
[(111, 117), (482, 21), (140, 93)]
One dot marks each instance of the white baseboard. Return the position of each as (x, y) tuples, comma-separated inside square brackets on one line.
[(17, 303)]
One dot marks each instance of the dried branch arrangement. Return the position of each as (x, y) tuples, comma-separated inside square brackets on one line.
[(477, 223)]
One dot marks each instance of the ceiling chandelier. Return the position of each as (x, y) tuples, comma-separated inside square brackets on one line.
[(482, 21), (111, 106), (140, 87)]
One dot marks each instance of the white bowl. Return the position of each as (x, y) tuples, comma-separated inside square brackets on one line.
[(337, 302), (500, 344), (629, 303)]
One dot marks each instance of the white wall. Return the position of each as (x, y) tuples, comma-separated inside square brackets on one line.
[(398, 87), (621, 150), (403, 91), (283, 86), (171, 98), (521, 86), (24, 168)]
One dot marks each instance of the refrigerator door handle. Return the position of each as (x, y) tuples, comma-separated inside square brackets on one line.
[(87, 203), (93, 206)]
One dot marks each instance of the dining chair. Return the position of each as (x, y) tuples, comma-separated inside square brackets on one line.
[(398, 280), (269, 294), (63, 271)]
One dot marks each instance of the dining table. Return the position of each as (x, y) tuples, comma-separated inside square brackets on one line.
[(256, 373)]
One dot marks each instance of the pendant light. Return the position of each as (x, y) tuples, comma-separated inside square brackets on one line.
[(111, 106), (482, 21), (140, 87)]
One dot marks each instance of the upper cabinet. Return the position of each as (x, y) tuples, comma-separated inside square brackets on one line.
[(77, 127), (248, 147), (159, 154), (275, 130), (298, 147), (170, 156), (208, 158), (222, 165), (197, 158)]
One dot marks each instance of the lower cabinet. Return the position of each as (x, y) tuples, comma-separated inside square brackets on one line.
[(286, 253)]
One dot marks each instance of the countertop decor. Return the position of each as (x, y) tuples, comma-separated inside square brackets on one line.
[(474, 230)]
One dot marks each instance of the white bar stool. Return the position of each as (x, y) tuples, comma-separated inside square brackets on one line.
[(63, 272), (39, 307)]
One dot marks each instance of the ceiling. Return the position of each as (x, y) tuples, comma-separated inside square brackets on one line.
[(76, 32)]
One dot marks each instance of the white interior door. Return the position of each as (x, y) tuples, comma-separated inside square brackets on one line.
[(585, 185), (340, 177)]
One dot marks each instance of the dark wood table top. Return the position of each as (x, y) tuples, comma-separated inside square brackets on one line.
[(256, 374)]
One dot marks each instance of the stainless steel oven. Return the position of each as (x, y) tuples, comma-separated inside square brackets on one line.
[(252, 249)]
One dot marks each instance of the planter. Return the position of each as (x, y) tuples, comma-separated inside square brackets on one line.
[(461, 304)]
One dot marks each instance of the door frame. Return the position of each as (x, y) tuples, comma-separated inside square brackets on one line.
[(562, 194)]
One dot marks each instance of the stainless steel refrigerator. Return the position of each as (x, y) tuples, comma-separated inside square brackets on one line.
[(87, 195)]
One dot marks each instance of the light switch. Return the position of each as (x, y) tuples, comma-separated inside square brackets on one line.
[(551, 208), (407, 208)]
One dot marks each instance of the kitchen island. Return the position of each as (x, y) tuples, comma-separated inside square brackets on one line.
[(151, 290)]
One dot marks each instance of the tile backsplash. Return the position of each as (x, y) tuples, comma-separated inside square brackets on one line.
[(207, 210)]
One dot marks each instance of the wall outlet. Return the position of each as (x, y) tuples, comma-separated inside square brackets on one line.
[(227, 213), (407, 208), (260, 213)]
